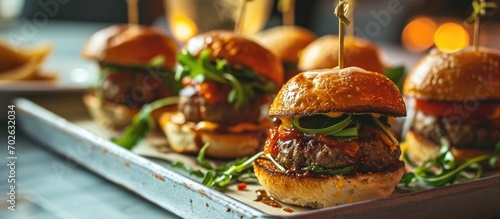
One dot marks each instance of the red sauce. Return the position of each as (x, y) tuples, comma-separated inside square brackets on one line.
[(242, 186), (287, 210), (265, 199)]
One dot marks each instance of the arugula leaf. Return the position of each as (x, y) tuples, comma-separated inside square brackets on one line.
[(315, 169), (322, 126), (244, 82), (142, 123), (440, 168), (201, 158), (396, 74), (191, 171)]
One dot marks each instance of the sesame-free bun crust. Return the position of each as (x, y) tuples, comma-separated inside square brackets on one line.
[(130, 45), (350, 90), (182, 138), (286, 42), (455, 76), (238, 50), (324, 191), (323, 53), (420, 148)]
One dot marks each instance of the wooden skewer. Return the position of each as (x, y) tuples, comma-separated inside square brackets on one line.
[(340, 10), (133, 12), (288, 10), (238, 27)]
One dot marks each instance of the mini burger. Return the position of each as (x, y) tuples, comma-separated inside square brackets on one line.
[(455, 96), (323, 53), (228, 81), (136, 67), (286, 42), (333, 144)]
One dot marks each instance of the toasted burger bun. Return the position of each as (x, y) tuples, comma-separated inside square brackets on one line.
[(286, 42), (186, 139), (324, 191), (323, 53), (349, 90), (130, 45), (238, 50), (420, 148), (454, 76)]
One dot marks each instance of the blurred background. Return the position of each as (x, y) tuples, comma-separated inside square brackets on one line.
[(410, 23)]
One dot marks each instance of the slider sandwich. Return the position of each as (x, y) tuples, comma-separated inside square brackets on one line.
[(136, 68), (228, 82), (333, 144)]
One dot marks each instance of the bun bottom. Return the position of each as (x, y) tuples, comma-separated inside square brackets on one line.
[(420, 148), (321, 192), (182, 138), (112, 116)]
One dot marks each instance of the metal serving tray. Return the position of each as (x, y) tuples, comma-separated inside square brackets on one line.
[(177, 192)]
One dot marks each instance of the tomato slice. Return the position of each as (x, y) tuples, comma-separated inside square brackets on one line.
[(462, 109)]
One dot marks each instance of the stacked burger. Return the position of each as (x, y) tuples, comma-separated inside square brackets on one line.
[(333, 144), (454, 96), (228, 82)]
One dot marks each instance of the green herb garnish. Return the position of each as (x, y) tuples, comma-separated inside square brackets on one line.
[(189, 170), (142, 123), (440, 168), (321, 124), (332, 172), (396, 74), (244, 82), (223, 175), (382, 127)]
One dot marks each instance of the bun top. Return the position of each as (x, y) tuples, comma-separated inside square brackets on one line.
[(350, 90), (286, 42), (130, 45), (240, 51), (323, 53), (466, 74)]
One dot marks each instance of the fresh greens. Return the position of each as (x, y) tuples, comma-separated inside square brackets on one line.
[(244, 82), (142, 123), (382, 127), (441, 168), (342, 128), (191, 171), (321, 124), (396, 74), (223, 175), (315, 169)]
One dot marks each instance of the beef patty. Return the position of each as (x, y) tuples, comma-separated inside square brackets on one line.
[(469, 133), (296, 150)]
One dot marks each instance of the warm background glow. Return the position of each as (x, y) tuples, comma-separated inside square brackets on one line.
[(451, 37), (418, 35), (183, 28)]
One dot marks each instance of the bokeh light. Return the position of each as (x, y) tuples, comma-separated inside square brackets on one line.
[(451, 37), (418, 35)]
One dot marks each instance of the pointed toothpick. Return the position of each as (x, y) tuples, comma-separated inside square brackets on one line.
[(287, 8), (238, 27), (340, 10), (133, 11)]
